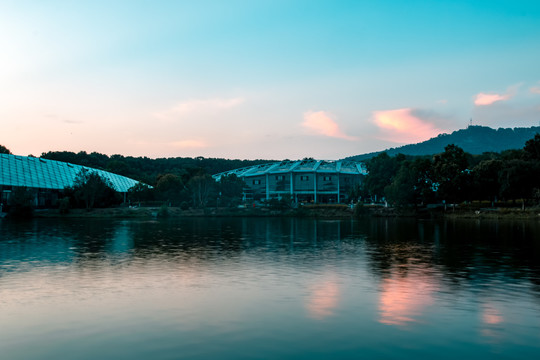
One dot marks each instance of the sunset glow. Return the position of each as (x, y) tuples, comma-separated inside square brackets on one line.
[(402, 126), (259, 79)]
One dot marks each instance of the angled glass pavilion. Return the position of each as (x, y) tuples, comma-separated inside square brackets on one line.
[(317, 181), (47, 177)]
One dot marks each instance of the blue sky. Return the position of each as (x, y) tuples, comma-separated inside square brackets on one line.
[(261, 79)]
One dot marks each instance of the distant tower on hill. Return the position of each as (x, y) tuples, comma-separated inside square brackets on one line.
[(470, 123)]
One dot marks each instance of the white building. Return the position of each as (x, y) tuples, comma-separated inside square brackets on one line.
[(309, 180)]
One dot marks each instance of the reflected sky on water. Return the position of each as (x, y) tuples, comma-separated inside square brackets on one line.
[(269, 288)]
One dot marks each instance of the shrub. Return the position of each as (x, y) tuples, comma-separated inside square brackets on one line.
[(63, 205), (184, 205), (163, 211), (360, 210), (21, 203)]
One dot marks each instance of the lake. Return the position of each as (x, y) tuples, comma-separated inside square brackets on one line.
[(269, 288)]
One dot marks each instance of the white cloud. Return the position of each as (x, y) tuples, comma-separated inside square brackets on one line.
[(199, 106)]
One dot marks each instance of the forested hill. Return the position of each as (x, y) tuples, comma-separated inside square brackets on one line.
[(474, 140)]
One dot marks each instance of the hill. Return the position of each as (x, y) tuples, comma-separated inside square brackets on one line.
[(473, 139)]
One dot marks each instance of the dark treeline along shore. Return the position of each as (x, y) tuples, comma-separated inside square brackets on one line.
[(508, 178), (394, 184)]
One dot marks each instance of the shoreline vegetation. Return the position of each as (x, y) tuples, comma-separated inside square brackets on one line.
[(334, 211)]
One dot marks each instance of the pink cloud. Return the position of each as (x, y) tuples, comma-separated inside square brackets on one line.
[(483, 99), (402, 126), (322, 123), (535, 90)]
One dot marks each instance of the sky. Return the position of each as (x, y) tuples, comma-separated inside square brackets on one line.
[(261, 79)]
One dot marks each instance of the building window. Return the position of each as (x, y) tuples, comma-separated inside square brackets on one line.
[(304, 178), (280, 177), (256, 182), (327, 178)]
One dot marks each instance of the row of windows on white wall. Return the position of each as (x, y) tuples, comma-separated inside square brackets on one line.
[(302, 178)]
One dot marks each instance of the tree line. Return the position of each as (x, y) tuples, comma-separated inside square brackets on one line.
[(178, 181), (455, 176), (148, 170)]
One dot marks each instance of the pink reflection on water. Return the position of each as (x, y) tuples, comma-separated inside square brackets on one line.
[(323, 299), (492, 318), (403, 299), (491, 315)]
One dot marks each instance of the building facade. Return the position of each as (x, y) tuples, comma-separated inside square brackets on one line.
[(46, 178), (316, 181)]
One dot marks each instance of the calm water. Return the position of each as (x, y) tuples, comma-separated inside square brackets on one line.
[(269, 289)]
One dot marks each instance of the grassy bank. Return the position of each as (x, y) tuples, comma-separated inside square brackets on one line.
[(325, 211), (316, 211)]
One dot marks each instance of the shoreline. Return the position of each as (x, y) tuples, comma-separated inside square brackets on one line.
[(313, 211)]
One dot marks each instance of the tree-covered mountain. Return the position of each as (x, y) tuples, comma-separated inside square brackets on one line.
[(473, 140)]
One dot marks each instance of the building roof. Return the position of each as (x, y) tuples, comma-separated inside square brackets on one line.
[(298, 166), (35, 172)]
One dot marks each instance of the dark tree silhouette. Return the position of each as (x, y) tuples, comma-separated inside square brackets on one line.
[(4, 150)]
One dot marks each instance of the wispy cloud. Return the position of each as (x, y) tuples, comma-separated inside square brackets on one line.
[(535, 89), (199, 106), (404, 126), (322, 123)]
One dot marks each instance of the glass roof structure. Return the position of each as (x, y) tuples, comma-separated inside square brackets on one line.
[(50, 174), (299, 166)]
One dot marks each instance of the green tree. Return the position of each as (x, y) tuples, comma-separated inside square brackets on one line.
[(519, 179), (401, 191), (450, 172), (118, 167), (532, 147), (412, 184), (90, 188), (202, 188), (381, 171), (231, 189), (170, 187), (4, 150), (486, 179), (140, 192)]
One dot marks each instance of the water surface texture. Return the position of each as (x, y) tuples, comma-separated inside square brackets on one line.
[(250, 288)]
